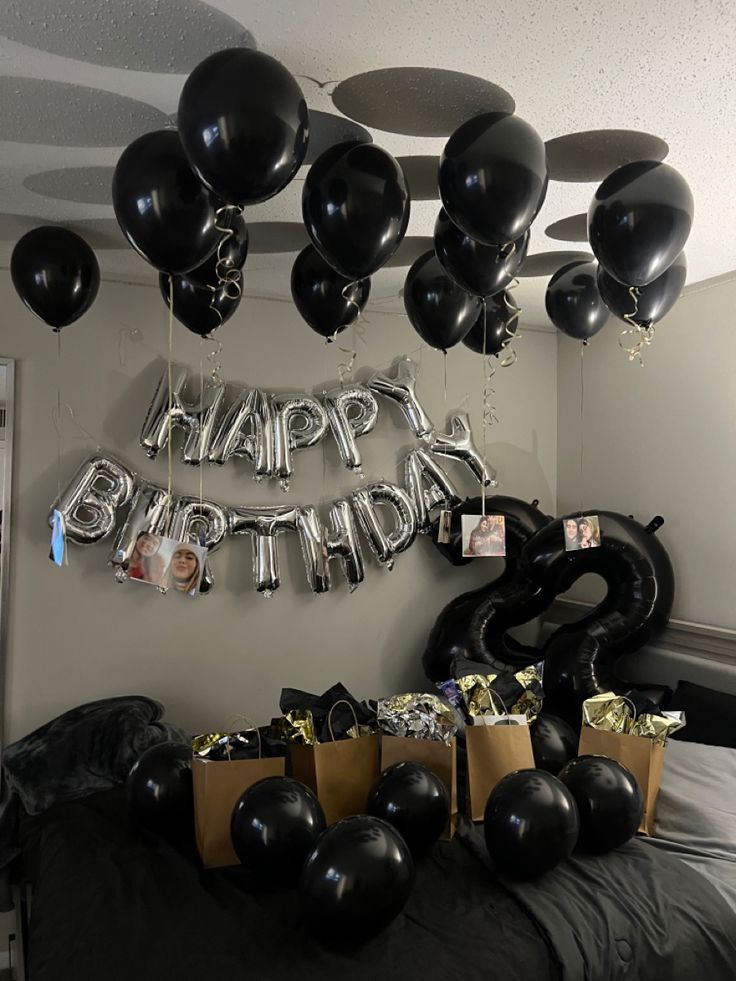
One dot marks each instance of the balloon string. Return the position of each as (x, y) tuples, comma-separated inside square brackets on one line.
[(641, 335), (511, 357), (582, 420), (214, 358), (171, 399), (229, 278), (444, 366), (58, 413), (201, 423)]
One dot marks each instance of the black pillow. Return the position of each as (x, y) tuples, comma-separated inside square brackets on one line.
[(710, 715)]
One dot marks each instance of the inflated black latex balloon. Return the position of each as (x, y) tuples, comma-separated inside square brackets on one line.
[(326, 300), (356, 881), (530, 823), (355, 205), (164, 211), (476, 268), (609, 800), (56, 275), (202, 309), (493, 177), (554, 742), (449, 641), (230, 253), (159, 792), (274, 827), (244, 125), (501, 321), (652, 301), (639, 221), (439, 310), (413, 799), (573, 302), (580, 657)]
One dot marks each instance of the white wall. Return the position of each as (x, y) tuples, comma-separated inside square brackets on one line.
[(661, 439), (77, 635)]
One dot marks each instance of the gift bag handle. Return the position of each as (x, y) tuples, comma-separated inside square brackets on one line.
[(341, 701), (233, 720), (492, 692)]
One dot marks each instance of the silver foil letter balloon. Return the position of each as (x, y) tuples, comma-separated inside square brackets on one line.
[(458, 445), (264, 525), (92, 497), (320, 545), (299, 421), (366, 503), (246, 430), (197, 419), (148, 514), (204, 523), (428, 486), (402, 389), (352, 411)]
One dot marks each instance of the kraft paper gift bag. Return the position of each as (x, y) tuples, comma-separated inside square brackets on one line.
[(340, 772), (436, 754), (493, 752)]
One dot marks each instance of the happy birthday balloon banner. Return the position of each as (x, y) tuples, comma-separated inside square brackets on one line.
[(263, 429)]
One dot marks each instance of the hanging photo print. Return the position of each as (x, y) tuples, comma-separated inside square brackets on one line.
[(167, 563), (443, 527), (582, 532), (484, 535)]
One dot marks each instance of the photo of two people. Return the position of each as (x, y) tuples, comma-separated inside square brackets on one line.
[(582, 532), (484, 535), (167, 563)]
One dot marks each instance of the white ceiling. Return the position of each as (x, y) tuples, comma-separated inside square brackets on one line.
[(663, 67)]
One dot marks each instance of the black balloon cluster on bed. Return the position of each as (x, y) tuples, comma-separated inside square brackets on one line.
[(243, 132)]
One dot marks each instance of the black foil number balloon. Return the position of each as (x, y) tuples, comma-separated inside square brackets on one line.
[(326, 300), (56, 275), (165, 212), (639, 221), (413, 799), (274, 827), (531, 824), (493, 177), (476, 268), (609, 800), (159, 793), (554, 743), (355, 205), (356, 881), (495, 326), (573, 302), (202, 309), (244, 125), (439, 310), (651, 302)]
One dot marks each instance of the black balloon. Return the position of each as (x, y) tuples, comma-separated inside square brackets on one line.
[(202, 309), (609, 800), (476, 268), (244, 125), (231, 253), (652, 302), (530, 823), (274, 827), (573, 302), (493, 177), (413, 799), (159, 792), (495, 326), (554, 742), (639, 221), (164, 211), (355, 205), (56, 275), (439, 310), (356, 881), (326, 300)]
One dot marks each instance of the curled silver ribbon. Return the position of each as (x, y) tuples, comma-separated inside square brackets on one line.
[(642, 334)]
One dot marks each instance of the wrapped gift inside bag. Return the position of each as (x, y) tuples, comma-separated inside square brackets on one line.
[(224, 765)]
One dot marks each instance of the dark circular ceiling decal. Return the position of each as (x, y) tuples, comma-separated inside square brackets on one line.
[(421, 176), (412, 246), (90, 185), (572, 229), (594, 153), (135, 34), (271, 237), (418, 101), (547, 263), (327, 128), (37, 110)]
